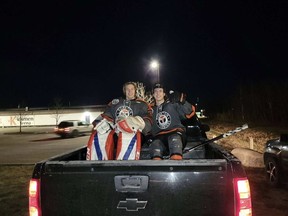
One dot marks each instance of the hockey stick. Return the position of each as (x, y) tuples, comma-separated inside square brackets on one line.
[(229, 133)]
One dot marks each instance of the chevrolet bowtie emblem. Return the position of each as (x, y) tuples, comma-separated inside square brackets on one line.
[(131, 204)]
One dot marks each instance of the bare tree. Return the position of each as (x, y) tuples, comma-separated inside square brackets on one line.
[(22, 116), (58, 107)]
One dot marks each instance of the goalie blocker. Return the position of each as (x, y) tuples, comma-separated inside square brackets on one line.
[(101, 145)]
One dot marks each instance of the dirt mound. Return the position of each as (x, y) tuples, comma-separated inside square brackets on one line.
[(248, 157)]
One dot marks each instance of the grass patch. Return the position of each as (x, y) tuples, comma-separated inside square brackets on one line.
[(14, 183)]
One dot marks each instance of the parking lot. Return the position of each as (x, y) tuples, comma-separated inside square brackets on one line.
[(34, 144)]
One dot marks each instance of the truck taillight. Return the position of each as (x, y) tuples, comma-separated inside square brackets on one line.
[(34, 198), (243, 197)]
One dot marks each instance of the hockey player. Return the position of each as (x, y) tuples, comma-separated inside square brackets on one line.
[(126, 117), (167, 130)]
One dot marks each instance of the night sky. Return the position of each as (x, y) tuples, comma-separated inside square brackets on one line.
[(83, 52)]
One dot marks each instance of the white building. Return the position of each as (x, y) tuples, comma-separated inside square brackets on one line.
[(48, 116)]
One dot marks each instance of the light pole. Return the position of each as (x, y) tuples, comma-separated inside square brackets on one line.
[(154, 65)]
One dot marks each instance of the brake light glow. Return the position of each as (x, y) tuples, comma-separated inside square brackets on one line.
[(243, 197), (34, 198), (62, 130)]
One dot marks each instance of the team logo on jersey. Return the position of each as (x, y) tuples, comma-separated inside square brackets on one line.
[(123, 111), (163, 120)]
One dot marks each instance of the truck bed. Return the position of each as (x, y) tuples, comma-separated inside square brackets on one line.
[(198, 185)]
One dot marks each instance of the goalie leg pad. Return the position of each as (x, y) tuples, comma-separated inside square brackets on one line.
[(100, 146), (128, 146)]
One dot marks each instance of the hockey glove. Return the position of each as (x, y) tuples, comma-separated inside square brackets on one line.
[(103, 126), (131, 124)]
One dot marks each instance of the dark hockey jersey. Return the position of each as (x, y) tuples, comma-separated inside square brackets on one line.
[(167, 117)]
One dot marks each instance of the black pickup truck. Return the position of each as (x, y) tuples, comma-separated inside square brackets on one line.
[(208, 181)]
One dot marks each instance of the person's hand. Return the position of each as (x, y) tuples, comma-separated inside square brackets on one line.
[(176, 97)]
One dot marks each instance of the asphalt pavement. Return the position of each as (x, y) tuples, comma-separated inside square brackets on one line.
[(34, 144), (26, 130)]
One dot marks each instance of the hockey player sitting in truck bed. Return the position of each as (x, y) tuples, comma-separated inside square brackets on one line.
[(125, 117), (167, 129)]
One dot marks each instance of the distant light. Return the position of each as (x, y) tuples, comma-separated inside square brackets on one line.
[(86, 116), (154, 64), (86, 113)]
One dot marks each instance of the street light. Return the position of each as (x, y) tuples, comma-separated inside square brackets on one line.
[(154, 65)]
